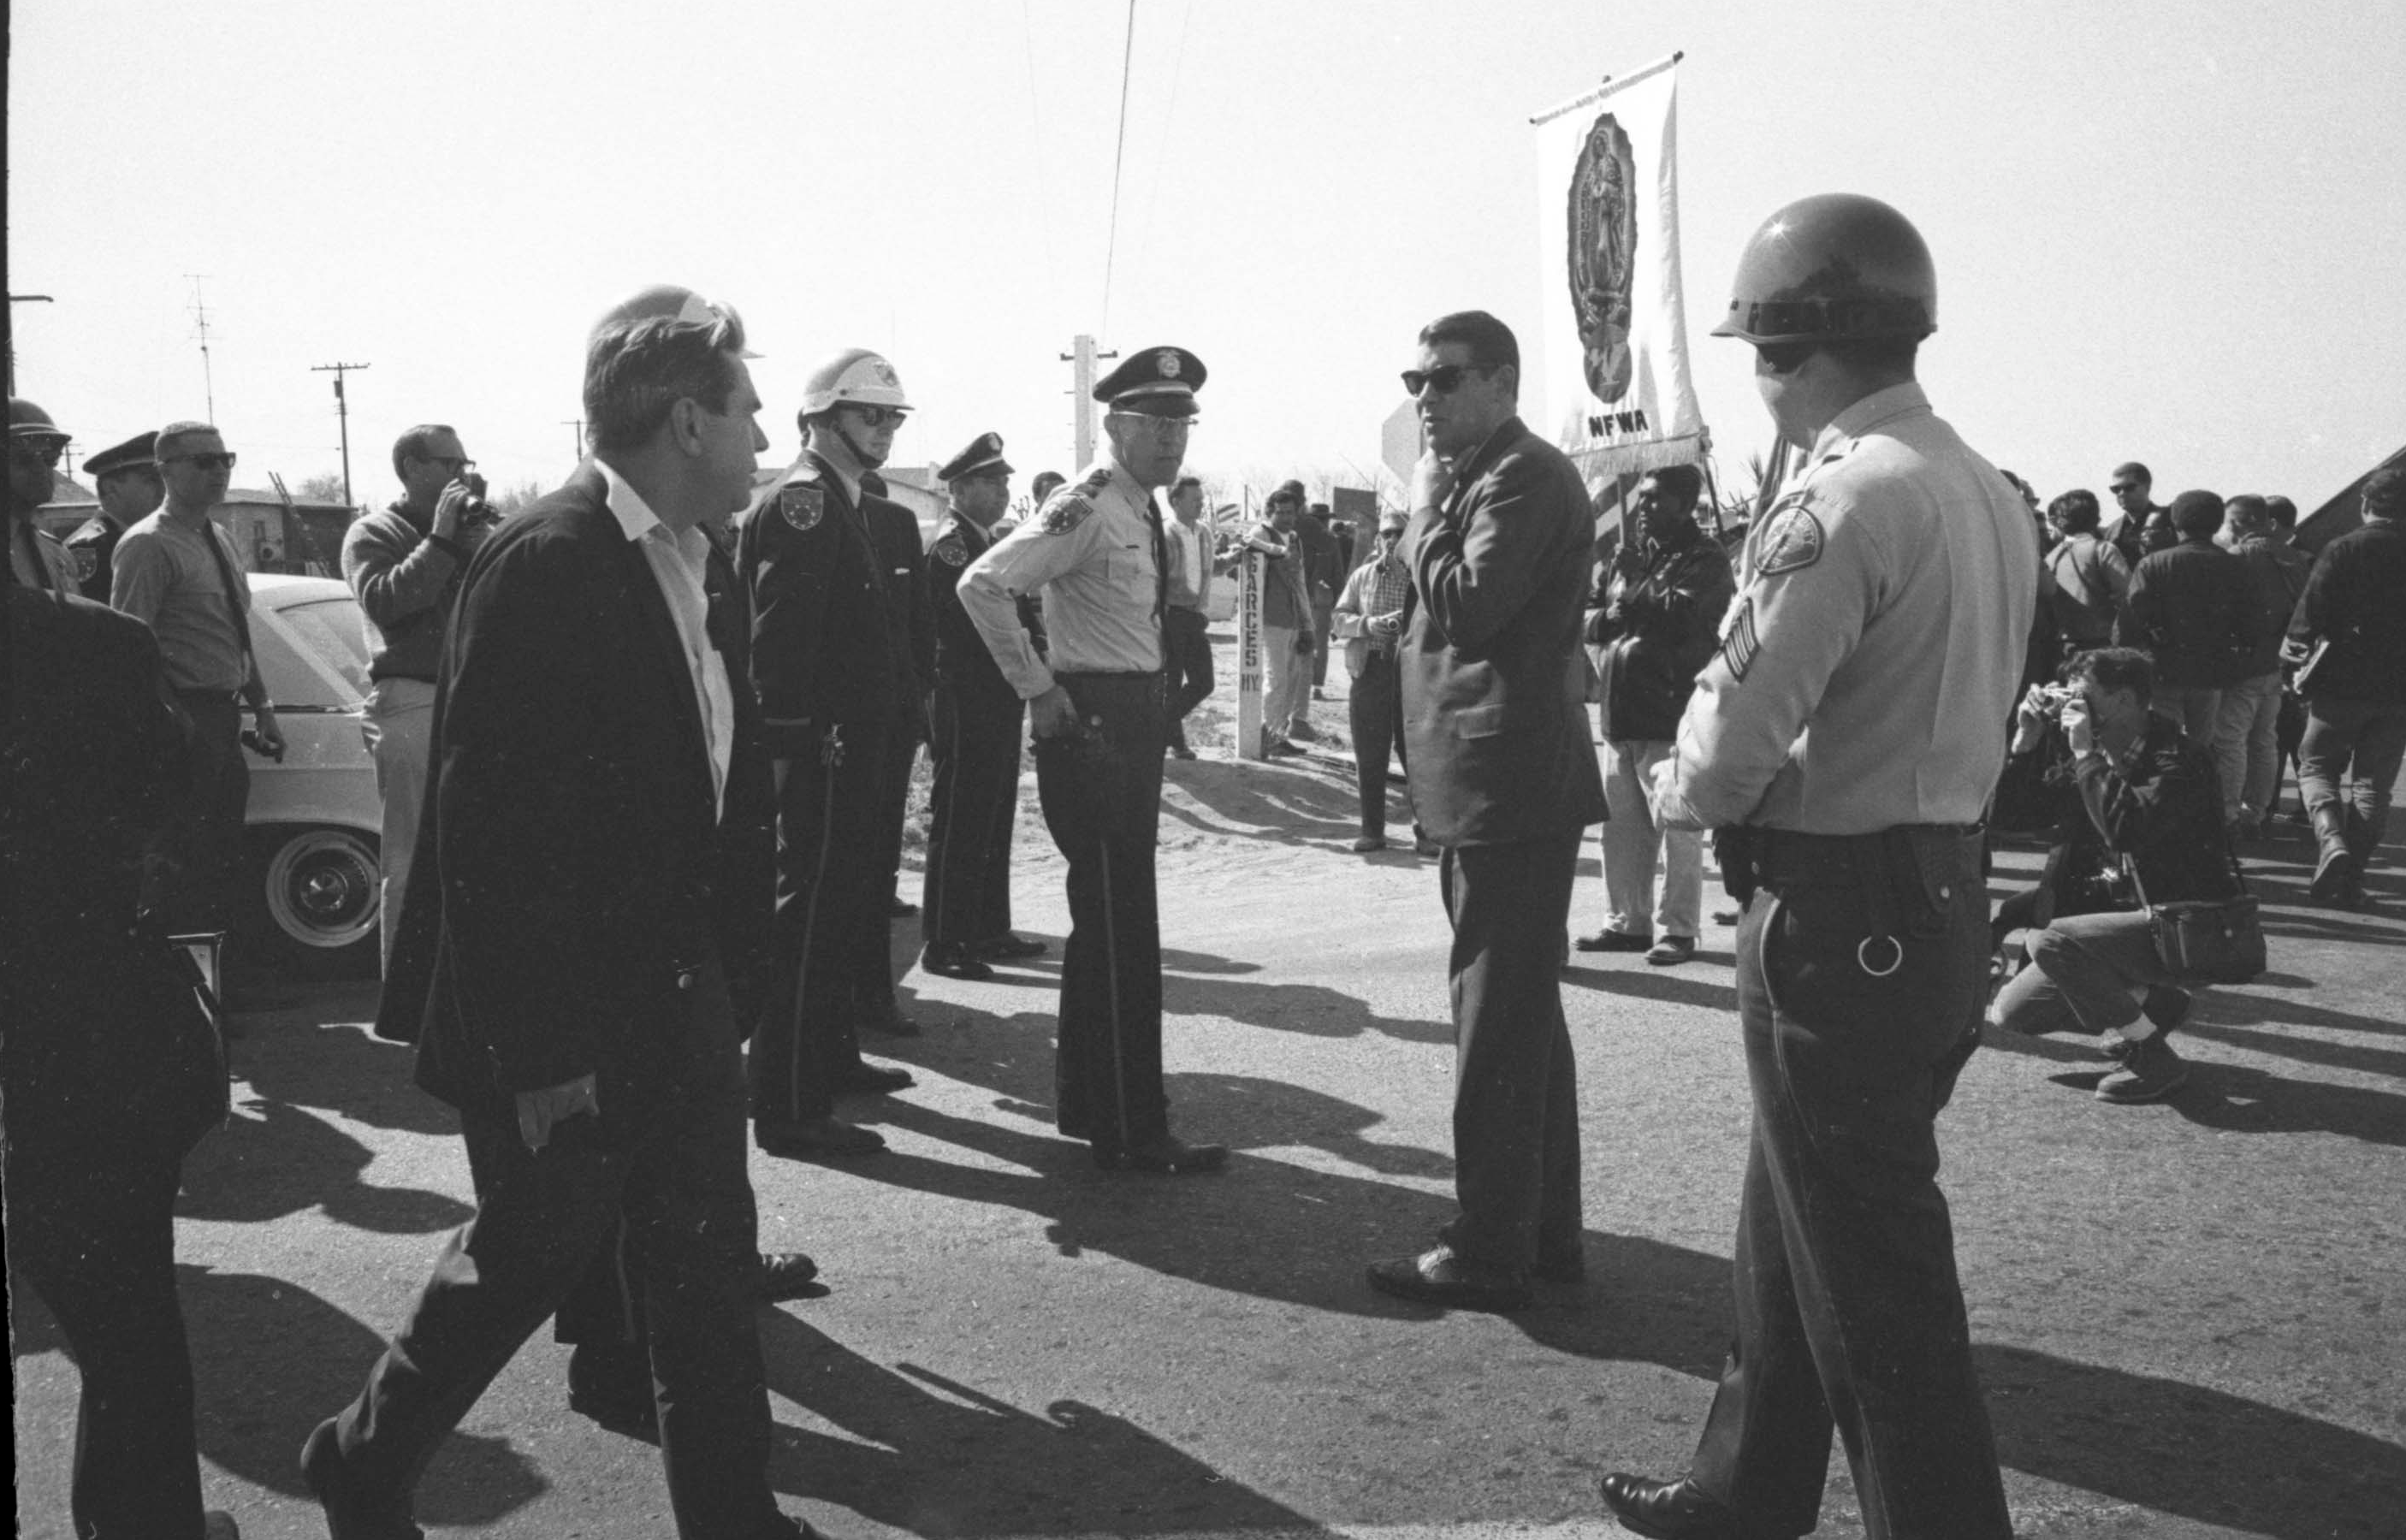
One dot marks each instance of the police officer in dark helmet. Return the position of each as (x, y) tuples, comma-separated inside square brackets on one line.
[(975, 721), (1844, 740), (825, 666), (127, 479), (1095, 553)]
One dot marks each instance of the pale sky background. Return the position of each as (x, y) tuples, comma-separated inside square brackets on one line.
[(2164, 229)]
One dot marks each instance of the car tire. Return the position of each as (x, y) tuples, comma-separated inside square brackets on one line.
[(316, 895)]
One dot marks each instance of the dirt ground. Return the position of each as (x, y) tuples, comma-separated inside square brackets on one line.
[(2185, 1315)]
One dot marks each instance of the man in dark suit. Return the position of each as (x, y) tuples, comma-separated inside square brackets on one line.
[(108, 1067), (569, 954), (1505, 779)]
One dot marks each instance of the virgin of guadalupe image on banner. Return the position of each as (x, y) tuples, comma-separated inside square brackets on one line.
[(1616, 389)]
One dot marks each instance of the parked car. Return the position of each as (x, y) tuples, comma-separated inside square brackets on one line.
[(313, 817)]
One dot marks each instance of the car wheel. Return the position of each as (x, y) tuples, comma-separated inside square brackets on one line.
[(318, 896)]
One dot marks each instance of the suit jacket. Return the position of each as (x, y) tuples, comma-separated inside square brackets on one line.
[(1493, 682), (573, 868), (2196, 609), (99, 1041), (909, 622)]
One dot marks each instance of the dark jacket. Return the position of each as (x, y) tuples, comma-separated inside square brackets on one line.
[(2161, 807), (1324, 561), (94, 545), (99, 1041), (965, 665), (910, 624), (823, 651), (1493, 687), (2356, 596), (573, 868), (2196, 610), (1658, 620), (2279, 572)]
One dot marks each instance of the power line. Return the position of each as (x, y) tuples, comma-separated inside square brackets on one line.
[(343, 409), (1119, 157)]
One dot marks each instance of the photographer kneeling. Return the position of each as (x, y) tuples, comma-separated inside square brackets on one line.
[(2155, 798)]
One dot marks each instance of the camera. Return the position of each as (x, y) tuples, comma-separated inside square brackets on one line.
[(475, 510), (2050, 699)]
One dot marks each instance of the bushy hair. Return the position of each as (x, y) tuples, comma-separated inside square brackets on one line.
[(2115, 669), (2075, 513), (2196, 513)]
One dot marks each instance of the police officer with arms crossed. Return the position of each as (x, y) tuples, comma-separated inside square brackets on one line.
[(825, 666), (1851, 726), (976, 720), (1095, 553), (126, 476)]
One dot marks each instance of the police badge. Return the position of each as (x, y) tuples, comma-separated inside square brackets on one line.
[(802, 506), (1166, 364)]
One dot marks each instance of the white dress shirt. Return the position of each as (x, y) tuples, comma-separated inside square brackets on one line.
[(678, 562)]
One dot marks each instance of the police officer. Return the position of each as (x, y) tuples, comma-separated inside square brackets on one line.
[(1849, 728), (1094, 553), (823, 662), (911, 631), (974, 725), (36, 557), (127, 479)]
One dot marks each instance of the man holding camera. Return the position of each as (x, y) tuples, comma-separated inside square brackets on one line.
[(404, 561)]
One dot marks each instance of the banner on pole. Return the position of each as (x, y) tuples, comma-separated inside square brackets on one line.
[(1250, 703), (1618, 389)]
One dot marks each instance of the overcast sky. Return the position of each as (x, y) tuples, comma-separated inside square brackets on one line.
[(2164, 229)]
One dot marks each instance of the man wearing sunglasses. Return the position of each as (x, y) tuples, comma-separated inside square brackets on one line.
[(1504, 778), (405, 562), (835, 684), (1097, 554), (1844, 738), (177, 572), (36, 445)]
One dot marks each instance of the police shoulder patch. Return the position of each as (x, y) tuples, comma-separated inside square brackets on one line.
[(1063, 515), (1739, 643), (1792, 539), (950, 551), (802, 506), (87, 561)]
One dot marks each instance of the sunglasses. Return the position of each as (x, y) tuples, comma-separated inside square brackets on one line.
[(45, 452), (221, 460), (877, 417), (1784, 358), (2121, 487), (454, 464), (1446, 377)]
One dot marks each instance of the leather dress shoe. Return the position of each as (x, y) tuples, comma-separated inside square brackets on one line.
[(350, 1514), (870, 1080), (814, 1136), (1364, 844), (784, 1274), (612, 1385), (886, 1017), (1437, 1277), (952, 960), (1675, 1511), (1010, 944), (1164, 1155), (1613, 940)]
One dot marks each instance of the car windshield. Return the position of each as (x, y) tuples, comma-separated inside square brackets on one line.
[(333, 632)]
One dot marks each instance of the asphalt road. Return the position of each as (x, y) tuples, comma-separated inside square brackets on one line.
[(2187, 1315)]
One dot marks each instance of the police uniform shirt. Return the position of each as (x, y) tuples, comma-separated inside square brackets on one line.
[(1089, 553), (962, 657), (164, 576), (1867, 670)]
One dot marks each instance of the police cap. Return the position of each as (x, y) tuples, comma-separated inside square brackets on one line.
[(138, 451), (1159, 382), (983, 458)]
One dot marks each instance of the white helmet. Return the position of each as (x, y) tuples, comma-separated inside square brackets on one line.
[(856, 378)]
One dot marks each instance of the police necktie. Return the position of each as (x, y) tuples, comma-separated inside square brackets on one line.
[(237, 593)]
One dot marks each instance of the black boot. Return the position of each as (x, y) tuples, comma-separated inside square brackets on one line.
[(2335, 864)]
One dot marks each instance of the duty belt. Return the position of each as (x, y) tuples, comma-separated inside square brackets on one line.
[(1905, 876)]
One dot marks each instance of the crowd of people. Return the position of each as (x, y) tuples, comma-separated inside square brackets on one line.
[(645, 749)]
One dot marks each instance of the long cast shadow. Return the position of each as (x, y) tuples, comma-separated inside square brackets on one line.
[(935, 1457)]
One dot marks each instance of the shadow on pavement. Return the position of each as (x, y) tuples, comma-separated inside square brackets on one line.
[(935, 1457), (1296, 802), (1655, 983), (270, 1160)]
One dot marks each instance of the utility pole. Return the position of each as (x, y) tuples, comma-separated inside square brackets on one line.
[(201, 320), (577, 423), (17, 299), (1082, 358), (343, 410)]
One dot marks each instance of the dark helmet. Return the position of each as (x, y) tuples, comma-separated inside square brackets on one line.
[(1832, 267)]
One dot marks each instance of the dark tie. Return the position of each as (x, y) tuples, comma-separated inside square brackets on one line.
[(236, 591)]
